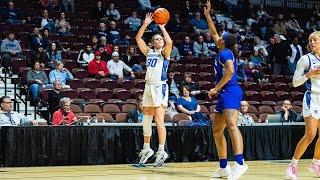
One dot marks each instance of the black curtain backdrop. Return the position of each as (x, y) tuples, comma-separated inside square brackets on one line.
[(78, 145)]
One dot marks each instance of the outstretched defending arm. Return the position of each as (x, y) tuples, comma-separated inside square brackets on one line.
[(212, 28)]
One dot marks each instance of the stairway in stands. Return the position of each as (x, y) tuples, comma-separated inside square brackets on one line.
[(10, 92)]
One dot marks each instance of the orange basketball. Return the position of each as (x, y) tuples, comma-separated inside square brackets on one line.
[(161, 16)]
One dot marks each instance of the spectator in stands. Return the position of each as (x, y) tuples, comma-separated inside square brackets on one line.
[(257, 45), (189, 105), (11, 15), (68, 3), (296, 54), (146, 5), (98, 13), (187, 10), (36, 79), (107, 49), (241, 75), (212, 48), (131, 59), (133, 22), (281, 52), (246, 38), (112, 13), (223, 28), (53, 56), (86, 57), (39, 55), (264, 59), (234, 30), (176, 25), (116, 67), (174, 87), (114, 35), (186, 47), (194, 87), (252, 20), (313, 25), (200, 26), (103, 49), (47, 23), (279, 27), (94, 43), (62, 25), (47, 40), (293, 25), (116, 49), (49, 4), (262, 12), (54, 96), (265, 25), (60, 73), (254, 73), (35, 39), (174, 55), (254, 58), (102, 31), (10, 47), (135, 115), (98, 68), (287, 113), (12, 118), (64, 115), (200, 48), (171, 110), (199, 8), (270, 45), (244, 118)]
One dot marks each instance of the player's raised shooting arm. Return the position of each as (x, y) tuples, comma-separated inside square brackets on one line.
[(142, 45), (167, 39)]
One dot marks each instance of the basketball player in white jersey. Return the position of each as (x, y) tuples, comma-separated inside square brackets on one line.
[(308, 71), (155, 96)]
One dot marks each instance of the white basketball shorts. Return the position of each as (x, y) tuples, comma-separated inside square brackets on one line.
[(155, 95), (311, 105)]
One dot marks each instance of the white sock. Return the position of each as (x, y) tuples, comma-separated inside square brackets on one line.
[(146, 146), (315, 161), (294, 161), (161, 147)]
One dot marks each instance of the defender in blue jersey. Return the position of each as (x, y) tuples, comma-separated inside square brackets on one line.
[(227, 109), (155, 95)]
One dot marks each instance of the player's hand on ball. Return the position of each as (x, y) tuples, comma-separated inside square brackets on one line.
[(148, 18), (161, 25), (212, 92), (208, 8)]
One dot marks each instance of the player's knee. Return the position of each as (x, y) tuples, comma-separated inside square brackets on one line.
[(146, 123), (310, 135)]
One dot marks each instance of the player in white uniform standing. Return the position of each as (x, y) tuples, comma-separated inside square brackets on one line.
[(155, 96), (308, 71)]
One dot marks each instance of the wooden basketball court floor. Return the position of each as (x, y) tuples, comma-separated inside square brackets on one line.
[(258, 170)]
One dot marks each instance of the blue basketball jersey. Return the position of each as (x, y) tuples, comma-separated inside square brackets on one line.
[(221, 59)]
